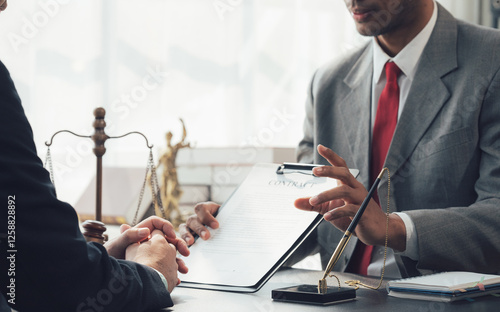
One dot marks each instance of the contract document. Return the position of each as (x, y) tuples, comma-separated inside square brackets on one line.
[(259, 229)]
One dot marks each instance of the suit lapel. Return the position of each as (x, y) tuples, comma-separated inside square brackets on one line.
[(427, 95), (355, 111)]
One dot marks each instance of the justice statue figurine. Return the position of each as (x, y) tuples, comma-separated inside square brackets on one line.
[(170, 190)]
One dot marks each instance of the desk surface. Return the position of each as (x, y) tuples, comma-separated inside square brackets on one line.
[(188, 299)]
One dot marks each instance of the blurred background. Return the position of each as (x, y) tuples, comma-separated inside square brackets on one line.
[(236, 71)]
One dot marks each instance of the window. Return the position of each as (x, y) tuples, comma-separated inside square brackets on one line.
[(229, 68), (236, 71)]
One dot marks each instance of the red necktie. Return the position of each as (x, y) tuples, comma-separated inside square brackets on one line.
[(383, 130)]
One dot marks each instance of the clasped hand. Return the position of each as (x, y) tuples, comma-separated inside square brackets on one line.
[(154, 243)]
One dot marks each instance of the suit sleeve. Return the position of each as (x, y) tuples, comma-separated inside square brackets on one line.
[(54, 269), (468, 238)]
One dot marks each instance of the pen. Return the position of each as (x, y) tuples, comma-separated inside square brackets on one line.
[(295, 166), (347, 234)]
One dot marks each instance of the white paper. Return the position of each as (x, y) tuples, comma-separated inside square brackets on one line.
[(258, 224)]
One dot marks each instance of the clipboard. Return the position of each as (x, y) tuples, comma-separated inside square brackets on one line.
[(259, 229)]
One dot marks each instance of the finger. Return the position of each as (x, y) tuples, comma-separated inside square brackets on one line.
[(186, 234), (194, 224), (176, 243), (211, 206), (340, 173), (158, 233), (130, 236), (179, 245), (331, 156), (342, 192), (181, 266), (348, 211), (205, 212), (157, 223), (304, 204), (124, 227)]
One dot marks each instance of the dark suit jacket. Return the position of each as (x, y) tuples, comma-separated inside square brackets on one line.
[(55, 269), (445, 154)]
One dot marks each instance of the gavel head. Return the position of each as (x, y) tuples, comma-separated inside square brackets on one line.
[(93, 231)]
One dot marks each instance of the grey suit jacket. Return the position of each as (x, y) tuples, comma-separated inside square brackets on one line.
[(445, 154)]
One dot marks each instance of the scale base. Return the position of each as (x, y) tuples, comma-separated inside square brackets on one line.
[(308, 294)]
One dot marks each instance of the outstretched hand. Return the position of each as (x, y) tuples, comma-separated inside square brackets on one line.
[(340, 204)]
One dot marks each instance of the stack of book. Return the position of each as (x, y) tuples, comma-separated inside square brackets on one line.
[(445, 287)]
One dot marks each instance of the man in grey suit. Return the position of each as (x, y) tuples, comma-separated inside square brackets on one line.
[(445, 152)]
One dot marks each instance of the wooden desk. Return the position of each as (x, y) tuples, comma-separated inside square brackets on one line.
[(187, 299)]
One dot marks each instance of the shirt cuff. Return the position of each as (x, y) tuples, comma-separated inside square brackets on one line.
[(163, 279), (411, 237)]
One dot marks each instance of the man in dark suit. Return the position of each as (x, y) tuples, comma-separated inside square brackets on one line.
[(444, 154), (45, 263)]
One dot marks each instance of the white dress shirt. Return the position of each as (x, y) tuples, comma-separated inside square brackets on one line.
[(162, 277), (407, 60)]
